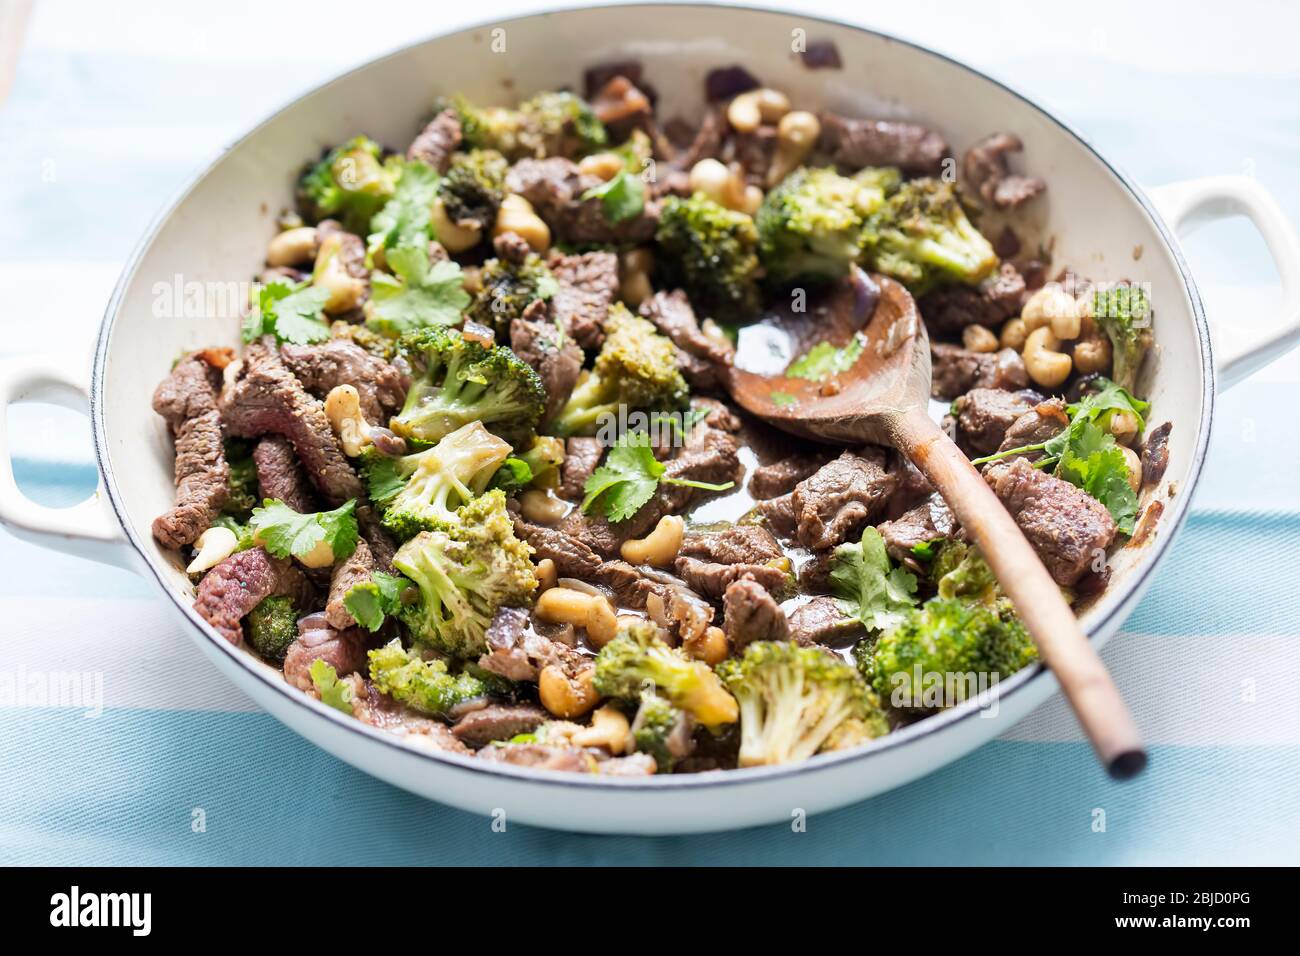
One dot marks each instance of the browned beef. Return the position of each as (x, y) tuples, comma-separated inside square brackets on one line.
[(712, 579), (437, 141), (555, 356), (554, 187), (705, 143), (381, 711), (357, 569), (479, 728), (821, 621), (344, 650), (780, 515), (622, 106), (572, 557), (320, 368), (672, 315), (929, 521), (842, 497), (957, 370), (540, 757), (1042, 422), (186, 398), (855, 143), (913, 488), (239, 583), (266, 399), (754, 151), (517, 652), (999, 297), (581, 457), (280, 476), (822, 55), (985, 414), (588, 285), (749, 613), (1068, 527), (739, 544), (780, 477), (1155, 454), (986, 171)]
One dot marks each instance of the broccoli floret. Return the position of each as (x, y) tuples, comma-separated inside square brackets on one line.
[(636, 368), (507, 289), (637, 657), (423, 685), (794, 701), (947, 643), (435, 482), (550, 124), (242, 480), (273, 626), (661, 730), (473, 187), (922, 238), (350, 184), (464, 575), (460, 381), (810, 226), (1124, 313), (710, 252), (960, 572), (538, 467)]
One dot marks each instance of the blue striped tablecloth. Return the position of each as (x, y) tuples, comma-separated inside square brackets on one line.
[(107, 117)]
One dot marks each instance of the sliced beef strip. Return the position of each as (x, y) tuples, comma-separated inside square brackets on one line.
[(1155, 454), (1042, 422), (540, 757), (855, 143), (780, 477), (986, 170), (554, 187), (357, 569), (672, 315), (820, 621), (780, 515), (913, 488), (186, 398), (572, 557), (998, 298), (712, 579), (555, 356), (985, 414), (280, 476), (381, 711), (739, 544), (266, 399), (749, 613), (929, 521), (754, 151), (380, 385), (706, 143), (239, 583), (1067, 527), (498, 722), (581, 458), (842, 497), (956, 370), (438, 141), (343, 649), (588, 285), (517, 652)]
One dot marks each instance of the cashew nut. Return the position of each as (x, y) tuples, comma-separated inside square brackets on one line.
[(1052, 305), (454, 236), (635, 266), (516, 215), (750, 110), (1134, 468), (795, 136), (564, 697), (601, 165), (1092, 354), (540, 507), (709, 645), (331, 274), (1045, 363), (546, 574), (976, 338), (564, 605), (659, 548), (213, 547), (609, 729), (1123, 426), (343, 409), (292, 247), (602, 622), (1013, 335), (710, 177), (320, 556)]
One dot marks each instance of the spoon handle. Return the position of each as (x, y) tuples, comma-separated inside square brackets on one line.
[(1062, 645)]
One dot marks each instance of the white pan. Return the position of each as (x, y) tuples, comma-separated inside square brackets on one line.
[(216, 232)]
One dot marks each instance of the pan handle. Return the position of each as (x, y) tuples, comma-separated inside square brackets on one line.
[(87, 529), (1185, 206)]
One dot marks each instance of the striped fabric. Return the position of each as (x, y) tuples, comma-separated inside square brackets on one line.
[(106, 118)]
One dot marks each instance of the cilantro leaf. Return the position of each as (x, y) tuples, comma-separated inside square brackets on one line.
[(621, 198), (1094, 462), (417, 294), (369, 602), (292, 313), (332, 691), (404, 220), (824, 360), (866, 587), (284, 532), (629, 477)]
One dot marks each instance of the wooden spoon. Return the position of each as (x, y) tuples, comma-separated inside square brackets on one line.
[(883, 399)]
